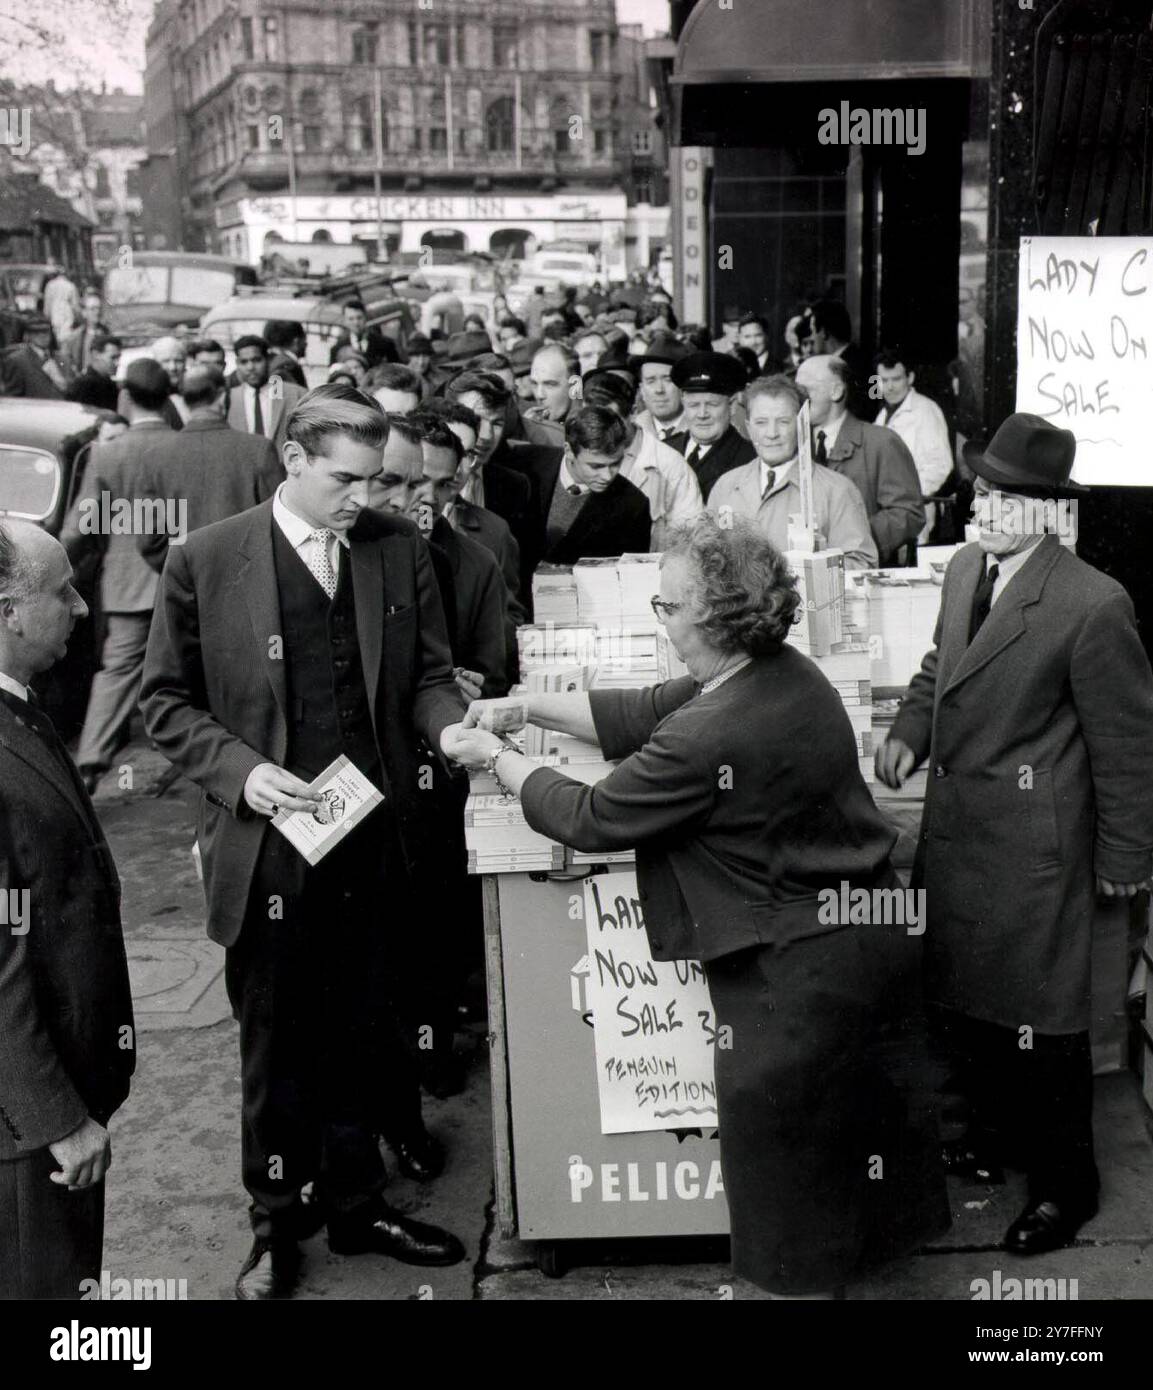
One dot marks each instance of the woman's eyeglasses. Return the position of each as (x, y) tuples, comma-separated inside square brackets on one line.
[(662, 608)]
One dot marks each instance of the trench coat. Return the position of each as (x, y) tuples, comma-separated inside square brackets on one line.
[(1039, 737)]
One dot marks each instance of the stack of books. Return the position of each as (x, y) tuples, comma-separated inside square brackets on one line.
[(821, 580), (554, 594), (500, 841), (598, 590), (848, 671), (903, 606)]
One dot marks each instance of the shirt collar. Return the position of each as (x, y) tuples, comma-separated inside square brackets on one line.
[(1008, 565), (13, 687), (783, 475), (566, 478), (832, 432), (296, 530)]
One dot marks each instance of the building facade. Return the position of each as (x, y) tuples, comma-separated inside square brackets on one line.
[(87, 147), (471, 125)]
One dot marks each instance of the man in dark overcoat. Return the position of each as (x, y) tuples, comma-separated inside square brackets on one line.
[(1034, 709)]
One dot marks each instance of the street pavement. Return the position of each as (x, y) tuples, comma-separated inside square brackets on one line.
[(176, 1208)]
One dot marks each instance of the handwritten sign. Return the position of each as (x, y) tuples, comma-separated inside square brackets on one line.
[(1084, 336), (652, 1020)]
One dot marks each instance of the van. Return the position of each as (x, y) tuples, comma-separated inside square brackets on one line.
[(160, 291)]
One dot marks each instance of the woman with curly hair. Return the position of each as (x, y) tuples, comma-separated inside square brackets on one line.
[(740, 789)]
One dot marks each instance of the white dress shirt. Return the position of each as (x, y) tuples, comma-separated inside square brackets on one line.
[(298, 533), (265, 409), (1008, 565), (13, 687), (566, 479), (831, 429), (780, 474)]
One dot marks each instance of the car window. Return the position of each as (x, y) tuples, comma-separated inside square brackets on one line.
[(29, 482)]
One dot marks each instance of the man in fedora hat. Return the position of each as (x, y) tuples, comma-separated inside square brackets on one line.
[(664, 414), (1034, 709), (708, 381)]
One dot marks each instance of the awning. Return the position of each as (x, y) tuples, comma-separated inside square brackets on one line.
[(824, 40)]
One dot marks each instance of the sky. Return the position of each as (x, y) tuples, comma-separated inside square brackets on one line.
[(91, 48)]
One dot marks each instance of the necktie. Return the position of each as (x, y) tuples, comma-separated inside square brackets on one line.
[(770, 479), (257, 413), (821, 454), (319, 562), (693, 457), (983, 600)]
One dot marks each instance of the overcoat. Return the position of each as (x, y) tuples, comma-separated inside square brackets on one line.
[(1039, 737)]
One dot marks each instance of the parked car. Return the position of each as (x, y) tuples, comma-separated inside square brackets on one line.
[(321, 318), (161, 291), (44, 446)]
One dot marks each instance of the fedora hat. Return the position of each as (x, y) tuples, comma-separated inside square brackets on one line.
[(1028, 454)]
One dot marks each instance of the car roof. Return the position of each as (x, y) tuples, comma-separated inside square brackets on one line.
[(196, 258), (38, 424), (304, 310)]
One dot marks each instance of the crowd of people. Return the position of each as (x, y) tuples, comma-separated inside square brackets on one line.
[(350, 568)]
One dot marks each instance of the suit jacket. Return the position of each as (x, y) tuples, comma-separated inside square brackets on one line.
[(64, 993), (378, 347), (281, 408), (718, 871), (118, 469), (837, 505), (94, 388), (612, 522), (214, 470), (510, 492), (492, 531), (480, 598), (730, 451), (886, 478), (22, 374), (215, 697), (288, 369), (1040, 740)]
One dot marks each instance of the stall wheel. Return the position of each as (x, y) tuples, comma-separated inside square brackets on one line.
[(549, 1259)]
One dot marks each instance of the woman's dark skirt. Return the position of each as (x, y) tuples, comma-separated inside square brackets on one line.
[(829, 1148)]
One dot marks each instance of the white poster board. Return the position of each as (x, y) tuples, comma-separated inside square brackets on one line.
[(652, 1020), (1084, 335)]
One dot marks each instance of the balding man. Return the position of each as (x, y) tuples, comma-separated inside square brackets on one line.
[(872, 458), (65, 1004), (555, 377)]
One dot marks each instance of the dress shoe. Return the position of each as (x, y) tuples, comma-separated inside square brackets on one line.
[(1045, 1226), (413, 1242), (419, 1155), (269, 1272), (962, 1160)]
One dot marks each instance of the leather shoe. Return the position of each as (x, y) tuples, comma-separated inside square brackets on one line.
[(1046, 1225), (962, 1159), (419, 1155), (413, 1242), (269, 1271)]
